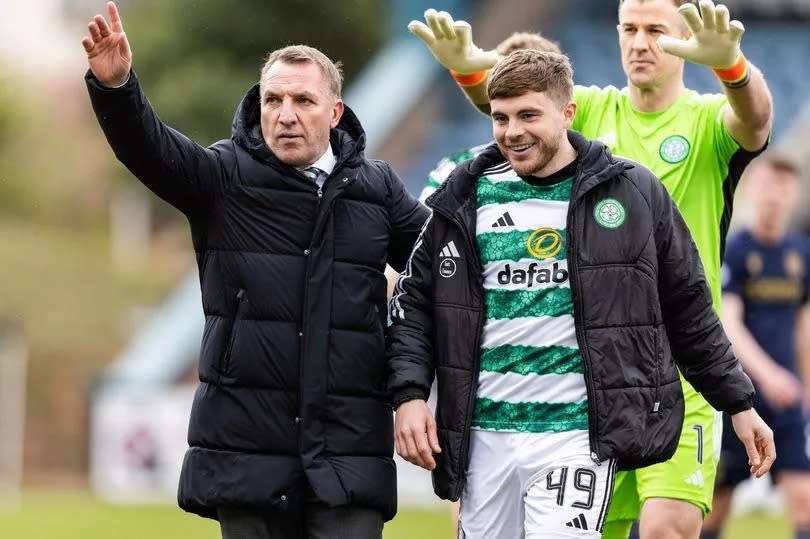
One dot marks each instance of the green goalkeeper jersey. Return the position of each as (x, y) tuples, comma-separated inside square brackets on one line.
[(687, 146)]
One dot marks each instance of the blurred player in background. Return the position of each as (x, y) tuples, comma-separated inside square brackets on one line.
[(698, 145), (767, 318)]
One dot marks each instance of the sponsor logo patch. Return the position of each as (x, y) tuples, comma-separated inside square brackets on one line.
[(532, 274), (544, 243)]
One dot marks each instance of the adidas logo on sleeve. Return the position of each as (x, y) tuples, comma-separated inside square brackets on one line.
[(450, 251), (447, 260)]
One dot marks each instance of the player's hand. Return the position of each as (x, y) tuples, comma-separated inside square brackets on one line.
[(415, 434), (715, 41), (757, 438), (107, 49), (451, 43), (781, 388)]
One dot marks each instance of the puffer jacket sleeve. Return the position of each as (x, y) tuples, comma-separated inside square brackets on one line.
[(698, 342), (410, 347), (175, 168), (407, 215)]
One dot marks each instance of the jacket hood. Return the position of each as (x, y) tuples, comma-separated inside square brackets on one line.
[(348, 139), (595, 165)]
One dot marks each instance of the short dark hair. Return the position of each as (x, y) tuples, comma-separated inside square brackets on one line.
[(526, 40), (532, 71), (780, 162)]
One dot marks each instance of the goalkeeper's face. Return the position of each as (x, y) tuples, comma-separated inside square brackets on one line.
[(530, 128), (641, 23)]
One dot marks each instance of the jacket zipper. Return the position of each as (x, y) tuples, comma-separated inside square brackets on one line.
[(465, 442), (319, 193), (301, 330), (658, 355), (583, 348), (301, 343), (240, 303)]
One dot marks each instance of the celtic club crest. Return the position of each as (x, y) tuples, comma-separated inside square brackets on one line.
[(609, 213), (674, 149)]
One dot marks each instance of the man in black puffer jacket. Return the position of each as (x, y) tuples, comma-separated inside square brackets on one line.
[(552, 293), (291, 426)]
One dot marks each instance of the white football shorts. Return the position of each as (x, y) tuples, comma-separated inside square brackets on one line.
[(534, 485)]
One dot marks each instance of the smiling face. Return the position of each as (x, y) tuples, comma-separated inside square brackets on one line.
[(297, 112), (530, 128), (641, 23)]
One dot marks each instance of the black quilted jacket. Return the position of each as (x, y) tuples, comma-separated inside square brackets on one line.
[(292, 365), (642, 309)]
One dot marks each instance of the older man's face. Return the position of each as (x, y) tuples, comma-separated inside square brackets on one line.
[(297, 112)]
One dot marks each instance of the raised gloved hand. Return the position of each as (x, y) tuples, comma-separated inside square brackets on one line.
[(451, 43), (715, 41)]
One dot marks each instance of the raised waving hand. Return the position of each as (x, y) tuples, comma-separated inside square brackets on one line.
[(715, 40), (107, 48)]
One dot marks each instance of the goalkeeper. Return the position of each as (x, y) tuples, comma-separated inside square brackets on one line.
[(698, 145)]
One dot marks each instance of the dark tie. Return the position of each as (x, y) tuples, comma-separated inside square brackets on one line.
[(313, 173)]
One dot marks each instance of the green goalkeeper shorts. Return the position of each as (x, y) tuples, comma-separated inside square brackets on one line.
[(687, 476)]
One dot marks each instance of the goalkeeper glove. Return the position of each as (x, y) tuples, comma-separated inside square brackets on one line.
[(451, 43), (715, 42)]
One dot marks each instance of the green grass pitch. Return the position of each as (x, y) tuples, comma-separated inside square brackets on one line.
[(77, 515)]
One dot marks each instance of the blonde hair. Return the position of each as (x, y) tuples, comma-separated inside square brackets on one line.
[(295, 54), (780, 162)]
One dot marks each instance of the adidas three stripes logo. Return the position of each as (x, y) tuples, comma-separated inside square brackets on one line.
[(450, 251), (504, 220), (578, 522)]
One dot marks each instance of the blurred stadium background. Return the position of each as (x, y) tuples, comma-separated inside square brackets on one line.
[(100, 315)]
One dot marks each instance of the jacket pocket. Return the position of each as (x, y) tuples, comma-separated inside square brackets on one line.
[(650, 272), (239, 313)]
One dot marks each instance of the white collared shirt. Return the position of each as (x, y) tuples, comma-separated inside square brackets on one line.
[(326, 162)]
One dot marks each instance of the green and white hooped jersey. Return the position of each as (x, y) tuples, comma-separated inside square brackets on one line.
[(446, 166), (532, 376)]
